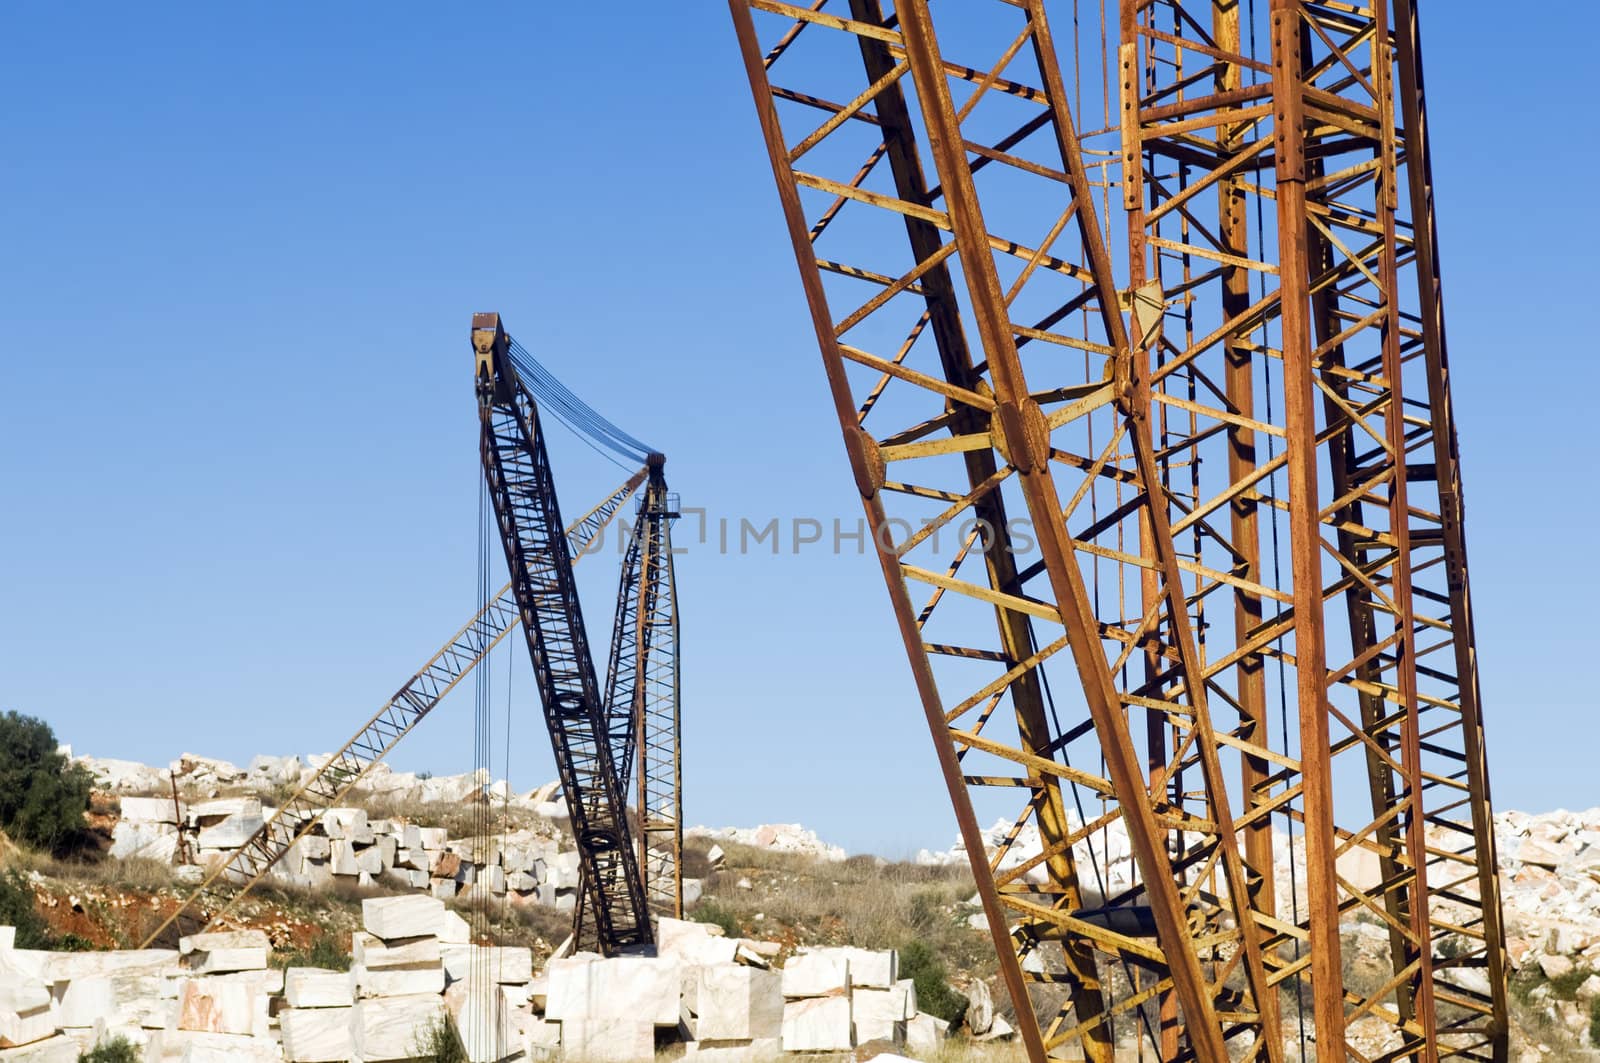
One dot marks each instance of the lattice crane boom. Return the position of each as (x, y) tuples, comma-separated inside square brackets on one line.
[(521, 487), (1231, 439), (642, 686)]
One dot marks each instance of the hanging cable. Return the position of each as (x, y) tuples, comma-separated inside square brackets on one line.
[(477, 975), (587, 423)]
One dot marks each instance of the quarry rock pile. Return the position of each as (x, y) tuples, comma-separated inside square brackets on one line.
[(523, 867), (217, 997)]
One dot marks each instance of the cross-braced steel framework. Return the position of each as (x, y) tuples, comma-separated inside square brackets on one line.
[(641, 699), (1148, 378)]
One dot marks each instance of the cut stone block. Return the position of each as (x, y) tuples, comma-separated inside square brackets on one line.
[(735, 1052), (398, 981), (370, 951), (871, 968), (191, 1046), (694, 943), (432, 838), (57, 1049), (217, 1005), (816, 974), (738, 1003), (506, 965), (238, 950), (541, 1039), (84, 1001), (386, 848), (25, 1014), (391, 1028), (314, 987), (392, 918), (349, 824), (230, 833), (624, 987), (453, 929), (880, 1014), (443, 889), (483, 1022), (153, 841), (316, 1035), (608, 1040), (342, 858), (817, 1024), (925, 1033)]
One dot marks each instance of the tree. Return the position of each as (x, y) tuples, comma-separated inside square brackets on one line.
[(42, 796)]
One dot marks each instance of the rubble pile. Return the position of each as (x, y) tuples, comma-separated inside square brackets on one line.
[(414, 969), (773, 837)]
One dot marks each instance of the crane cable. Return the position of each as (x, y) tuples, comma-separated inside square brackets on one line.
[(584, 420)]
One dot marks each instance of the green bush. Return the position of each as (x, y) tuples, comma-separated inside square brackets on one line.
[(1565, 986), (16, 909), (919, 963), (440, 1043), (1594, 1022), (715, 914), (42, 796), (323, 952), (117, 1049)]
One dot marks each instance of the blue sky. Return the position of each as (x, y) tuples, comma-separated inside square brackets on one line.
[(241, 247)]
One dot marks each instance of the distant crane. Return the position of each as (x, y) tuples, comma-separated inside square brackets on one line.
[(642, 707)]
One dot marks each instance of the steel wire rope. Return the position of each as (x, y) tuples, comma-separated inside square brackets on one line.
[(477, 969)]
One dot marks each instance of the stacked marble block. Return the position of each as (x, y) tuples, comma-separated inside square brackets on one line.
[(523, 868), (412, 950), (836, 999)]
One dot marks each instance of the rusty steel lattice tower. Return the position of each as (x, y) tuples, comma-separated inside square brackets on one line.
[(1141, 370)]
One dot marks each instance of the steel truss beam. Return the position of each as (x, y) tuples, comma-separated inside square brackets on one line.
[(516, 468), (641, 701), (346, 769), (1256, 420)]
